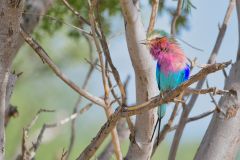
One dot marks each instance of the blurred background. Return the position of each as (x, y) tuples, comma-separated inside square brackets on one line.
[(39, 88)]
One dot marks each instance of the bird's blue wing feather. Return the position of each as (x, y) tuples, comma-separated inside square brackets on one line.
[(158, 76), (186, 72)]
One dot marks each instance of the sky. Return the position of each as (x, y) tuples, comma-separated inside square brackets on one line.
[(204, 22)]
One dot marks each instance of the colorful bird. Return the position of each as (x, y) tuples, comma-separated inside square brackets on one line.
[(172, 68)]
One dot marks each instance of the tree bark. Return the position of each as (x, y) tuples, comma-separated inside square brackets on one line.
[(33, 12), (145, 79), (10, 16), (10, 42), (222, 138)]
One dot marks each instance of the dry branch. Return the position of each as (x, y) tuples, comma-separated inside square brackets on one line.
[(141, 108), (29, 153), (81, 18), (42, 53), (155, 4), (195, 118), (73, 124), (175, 17), (115, 72)]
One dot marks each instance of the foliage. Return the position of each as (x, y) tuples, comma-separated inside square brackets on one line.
[(183, 20), (60, 12), (106, 9)]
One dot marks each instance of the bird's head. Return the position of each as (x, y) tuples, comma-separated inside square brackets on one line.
[(158, 42)]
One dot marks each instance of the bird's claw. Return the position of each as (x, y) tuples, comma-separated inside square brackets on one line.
[(178, 100)]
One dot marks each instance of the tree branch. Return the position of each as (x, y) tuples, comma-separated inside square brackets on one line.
[(73, 124), (176, 15), (42, 53), (155, 4), (238, 16), (81, 18), (143, 107)]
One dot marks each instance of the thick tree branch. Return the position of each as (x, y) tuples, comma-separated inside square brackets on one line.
[(143, 107)]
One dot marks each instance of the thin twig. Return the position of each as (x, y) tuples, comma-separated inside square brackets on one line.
[(36, 145), (176, 15), (42, 53), (195, 118), (89, 151), (113, 91), (81, 18), (238, 16), (97, 67), (26, 152), (30, 125), (224, 73), (61, 21), (155, 4), (73, 124)]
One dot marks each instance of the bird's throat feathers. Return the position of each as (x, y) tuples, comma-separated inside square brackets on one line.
[(169, 56)]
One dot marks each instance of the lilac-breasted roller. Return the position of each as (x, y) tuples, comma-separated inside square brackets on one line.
[(171, 69)]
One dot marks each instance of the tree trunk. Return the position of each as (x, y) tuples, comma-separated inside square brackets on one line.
[(10, 42), (144, 77), (10, 16)]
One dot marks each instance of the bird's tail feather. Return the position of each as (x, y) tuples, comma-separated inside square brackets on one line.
[(161, 112)]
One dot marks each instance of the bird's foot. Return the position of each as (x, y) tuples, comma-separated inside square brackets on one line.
[(179, 100), (164, 93)]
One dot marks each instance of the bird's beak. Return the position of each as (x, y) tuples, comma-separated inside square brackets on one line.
[(144, 42)]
